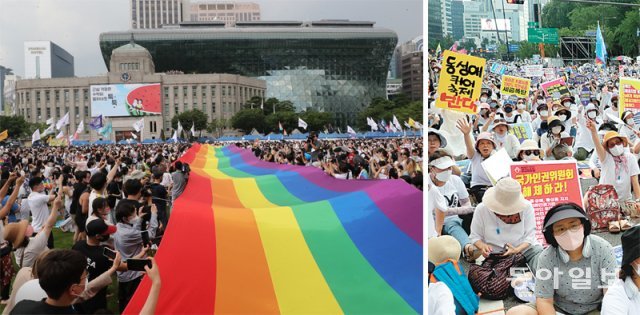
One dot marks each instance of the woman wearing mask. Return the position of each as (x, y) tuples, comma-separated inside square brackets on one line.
[(483, 148), (482, 118), (529, 151), (574, 258), (503, 139), (564, 114), (619, 168), (552, 137), (504, 221), (521, 109), (623, 297), (459, 212), (584, 143), (612, 110), (539, 125), (510, 115), (627, 129), (437, 141)]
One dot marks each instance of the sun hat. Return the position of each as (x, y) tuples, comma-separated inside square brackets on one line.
[(630, 245), (484, 106), (443, 248), (15, 232), (554, 121), (485, 136), (505, 198), (562, 214), (529, 145), (443, 162), (566, 112), (443, 140), (613, 134), (500, 122)]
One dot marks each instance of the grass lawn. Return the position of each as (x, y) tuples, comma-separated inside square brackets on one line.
[(65, 240)]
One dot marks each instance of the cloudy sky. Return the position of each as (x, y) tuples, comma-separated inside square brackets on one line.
[(76, 24)]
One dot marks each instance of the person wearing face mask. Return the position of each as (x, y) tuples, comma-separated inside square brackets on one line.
[(528, 152), (584, 144), (485, 96), (503, 139), (539, 125), (510, 115), (482, 118), (572, 247), (619, 168), (483, 148), (628, 129), (521, 109), (564, 114), (612, 110), (552, 137), (504, 222), (623, 297), (459, 212), (128, 241)]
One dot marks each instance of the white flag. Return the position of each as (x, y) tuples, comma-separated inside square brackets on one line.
[(406, 124), (393, 128), (372, 124), (134, 135), (175, 136), (49, 130), (36, 136), (302, 124), (418, 125), (397, 123), (63, 121), (80, 128), (179, 128), (138, 125), (350, 130), (50, 121), (193, 129)]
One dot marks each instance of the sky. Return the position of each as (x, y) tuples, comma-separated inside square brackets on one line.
[(76, 24)]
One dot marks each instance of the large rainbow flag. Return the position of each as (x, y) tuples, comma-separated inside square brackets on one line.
[(254, 237)]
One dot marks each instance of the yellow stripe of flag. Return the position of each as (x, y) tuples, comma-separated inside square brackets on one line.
[(4, 135)]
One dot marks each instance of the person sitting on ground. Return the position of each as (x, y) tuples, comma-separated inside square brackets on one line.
[(623, 297), (438, 141), (552, 138), (567, 229), (562, 152), (529, 152), (484, 147), (442, 249), (503, 138)]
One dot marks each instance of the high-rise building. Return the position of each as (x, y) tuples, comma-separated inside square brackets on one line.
[(412, 75), (155, 13), (434, 21), (457, 19), (45, 60), (8, 89), (228, 12), (473, 12), (447, 25)]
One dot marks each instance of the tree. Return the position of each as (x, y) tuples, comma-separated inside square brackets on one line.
[(554, 14), (188, 118), (248, 119), (625, 34), (288, 119), (16, 126), (254, 102), (316, 120)]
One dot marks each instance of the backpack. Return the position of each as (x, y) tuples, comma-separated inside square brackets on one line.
[(492, 278), (601, 205), (452, 274)]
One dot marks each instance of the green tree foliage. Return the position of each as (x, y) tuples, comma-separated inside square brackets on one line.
[(554, 14), (315, 120), (381, 108), (16, 126), (188, 118), (288, 119), (248, 119)]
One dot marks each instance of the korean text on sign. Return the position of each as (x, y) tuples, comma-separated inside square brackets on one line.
[(546, 184), (629, 93), (460, 82), (515, 86)]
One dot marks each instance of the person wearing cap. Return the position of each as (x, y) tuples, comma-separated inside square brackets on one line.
[(628, 128), (483, 148), (529, 151), (552, 138), (441, 250), (510, 115), (619, 168), (623, 297), (573, 269), (459, 211), (505, 222), (503, 138)]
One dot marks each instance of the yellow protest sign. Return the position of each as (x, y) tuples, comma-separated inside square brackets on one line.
[(629, 94), (460, 82), (515, 86)]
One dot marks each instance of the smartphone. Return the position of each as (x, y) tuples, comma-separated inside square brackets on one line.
[(138, 264), (497, 252), (107, 252), (145, 238)]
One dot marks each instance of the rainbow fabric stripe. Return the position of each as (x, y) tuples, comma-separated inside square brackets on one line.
[(252, 237)]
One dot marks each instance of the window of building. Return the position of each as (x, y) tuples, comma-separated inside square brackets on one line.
[(77, 111), (57, 111), (86, 94), (76, 95), (57, 96), (47, 96), (39, 112), (38, 96), (166, 93), (28, 95), (86, 110), (48, 113), (66, 95), (213, 107)]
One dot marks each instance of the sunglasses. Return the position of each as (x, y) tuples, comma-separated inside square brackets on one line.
[(529, 152)]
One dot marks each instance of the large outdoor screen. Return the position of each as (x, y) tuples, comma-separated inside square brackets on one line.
[(125, 100), (495, 24)]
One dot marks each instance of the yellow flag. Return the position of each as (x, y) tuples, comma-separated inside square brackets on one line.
[(412, 122), (4, 135)]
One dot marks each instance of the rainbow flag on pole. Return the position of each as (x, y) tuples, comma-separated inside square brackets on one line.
[(253, 237), (601, 48)]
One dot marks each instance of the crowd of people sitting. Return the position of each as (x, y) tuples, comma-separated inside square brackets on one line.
[(473, 217), (117, 202)]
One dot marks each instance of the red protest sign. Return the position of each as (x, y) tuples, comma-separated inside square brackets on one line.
[(546, 184)]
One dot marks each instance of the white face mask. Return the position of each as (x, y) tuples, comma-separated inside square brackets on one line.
[(617, 150), (544, 113), (521, 106), (529, 157), (562, 118), (591, 114), (567, 104), (483, 99), (630, 122), (556, 130), (541, 102), (443, 176)]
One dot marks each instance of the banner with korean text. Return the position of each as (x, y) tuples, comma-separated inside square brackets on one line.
[(515, 86), (546, 184), (460, 82), (556, 88), (629, 94), (533, 71), (522, 131)]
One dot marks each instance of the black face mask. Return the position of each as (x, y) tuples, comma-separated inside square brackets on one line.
[(508, 109)]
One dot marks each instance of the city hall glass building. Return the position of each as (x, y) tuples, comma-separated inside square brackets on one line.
[(328, 65)]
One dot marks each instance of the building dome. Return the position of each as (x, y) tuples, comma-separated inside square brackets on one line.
[(130, 47)]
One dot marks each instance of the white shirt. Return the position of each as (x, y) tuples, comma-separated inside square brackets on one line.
[(622, 183), (453, 190), (509, 142), (440, 300), (485, 226), (39, 209), (524, 116), (435, 201), (583, 134), (622, 298), (545, 144), (30, 290), (478, 176)]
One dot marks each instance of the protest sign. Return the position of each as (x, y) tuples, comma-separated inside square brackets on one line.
[(515, 86), (522, 131), (556, 88), (549, 73), (546, 184), (585, 95), (460, 82), (62, 142), (629, 94), (579, 79), (533, 71), (620, 71), (497, 165), (498, 68)]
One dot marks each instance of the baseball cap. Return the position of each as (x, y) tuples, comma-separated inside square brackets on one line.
[(99, 227)]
